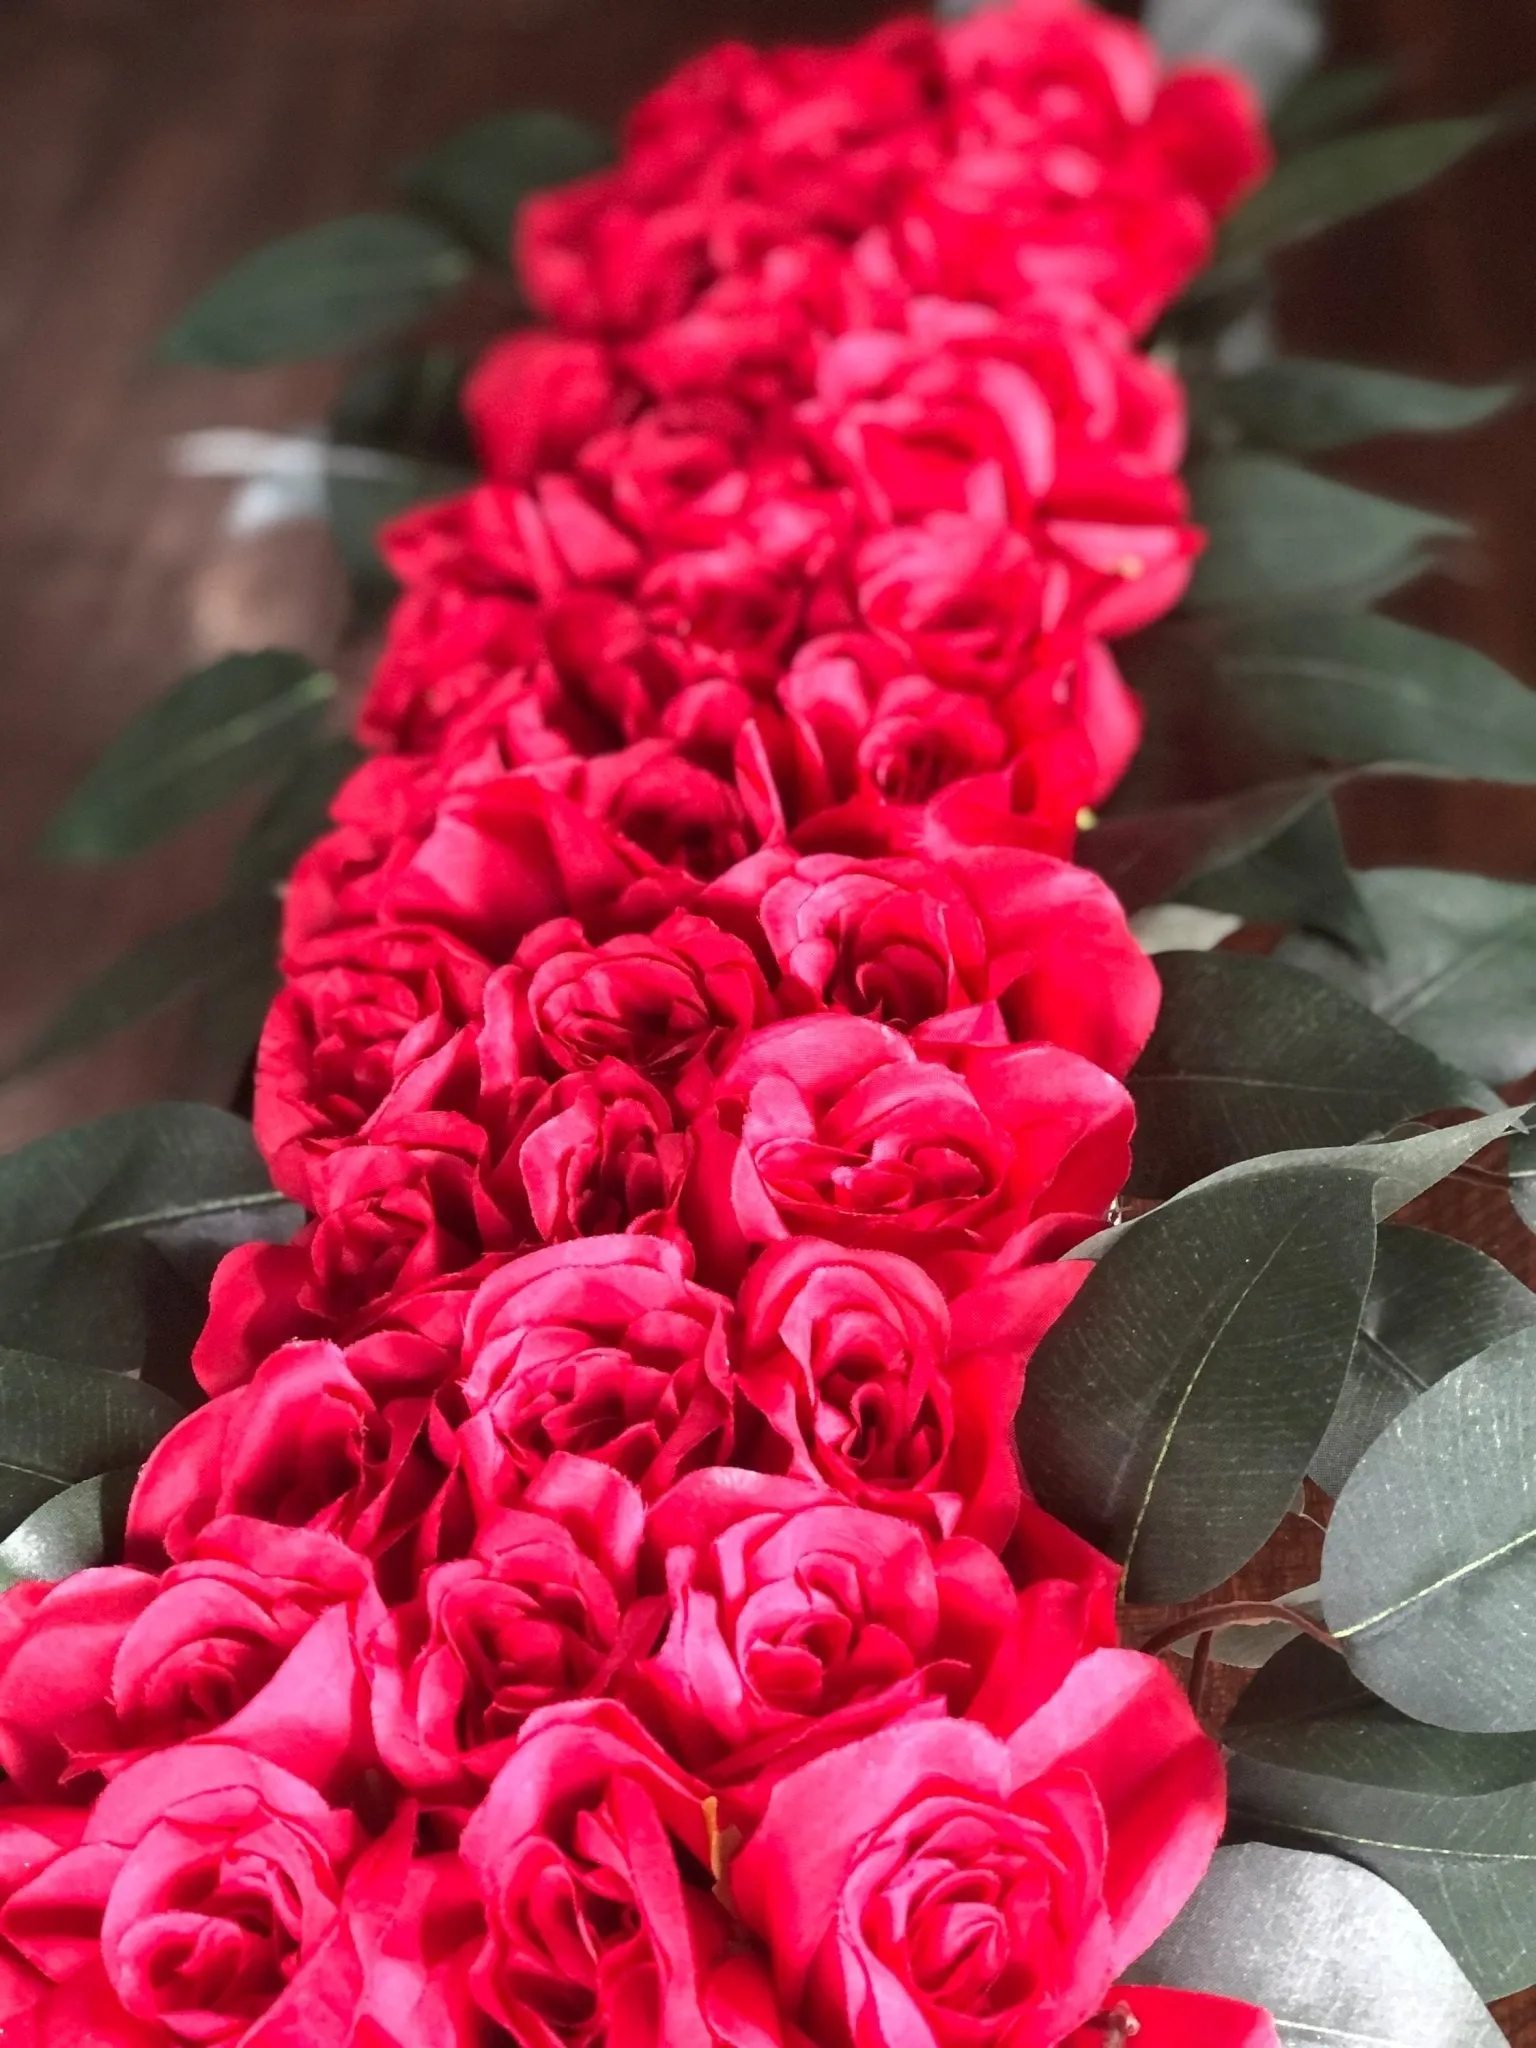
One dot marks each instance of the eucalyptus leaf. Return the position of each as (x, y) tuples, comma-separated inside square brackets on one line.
[(1457, 969), (358, 506), (1280, 536), (1434, 1303), (1271, 41), (405, 401), (1347, 176), (1181, 928), (109, 1231), (241, 721), (76, 1529), (1332, 1952), (1149, 856), (476, 180), (1171, 1411), (1250, 1057), (292, 819), (325, 289), (1462, 1855), (61, 1423), (1300, 877), (1369, 689), (1429, 1568), (1310, 406), (1522, 1177), (1327, 102), (203, 951)]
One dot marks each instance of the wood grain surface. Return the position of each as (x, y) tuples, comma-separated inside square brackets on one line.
[(145, 144)]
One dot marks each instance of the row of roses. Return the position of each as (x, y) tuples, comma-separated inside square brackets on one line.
[(598, 1600)]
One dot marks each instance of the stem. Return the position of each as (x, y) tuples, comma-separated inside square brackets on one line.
[(1199, 1670), (1118, 2026), (1235, 1614)]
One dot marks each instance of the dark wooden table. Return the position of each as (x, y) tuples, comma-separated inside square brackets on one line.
[(144, 144)]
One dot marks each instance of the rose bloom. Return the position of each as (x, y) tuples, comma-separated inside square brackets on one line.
[(544, 1610), (248, 1636), (834, 1126), (996, 945), (370, 1003), (592, 1855), (797, 1622), (202, 1889), (600, 1348), (933, 1884), (869, 1382)]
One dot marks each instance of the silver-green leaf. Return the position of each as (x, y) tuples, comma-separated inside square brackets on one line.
[(1309, 406), (243, 720), (81, 1527), (1338, 1957), (1429, 1568), (327, 288), (476, 180), (60, 1424)]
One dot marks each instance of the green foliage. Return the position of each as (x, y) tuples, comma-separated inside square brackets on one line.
[(81, 1527), (1220, 1321), (1429, 1570), (1307, 407), (1339, 179), (1299, 877), (1326, 102), (1250, 1056), (1371, 690), (1330, 1950), (476, 180), (61, 1424), (1278, 536), (240, 721), (1433, 1303), (1457, 968), (336, 286)]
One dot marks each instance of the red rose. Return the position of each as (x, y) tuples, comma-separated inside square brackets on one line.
[(369, 1003), (673, 1004), (1182, 2019), (995, 944), (798, 1622), (963, 600), (303, 1445), (870, 1384), (205, 1880), (931, 1884), (601, 1348), (382, 813), (533, 399), (833, 1126), (588, 1851), (248, 1636)]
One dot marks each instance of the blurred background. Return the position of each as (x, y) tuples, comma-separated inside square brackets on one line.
[(146, 144)]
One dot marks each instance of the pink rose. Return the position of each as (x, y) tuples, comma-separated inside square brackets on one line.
[(534, 398), (932, 1883), (248, 1637), (1181, 2019)]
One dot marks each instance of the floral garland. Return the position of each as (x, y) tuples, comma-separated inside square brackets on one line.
[(599, 1602)]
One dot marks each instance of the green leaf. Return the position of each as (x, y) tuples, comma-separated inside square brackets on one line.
[(358, 506), (1327, 102), (76, 1529), (1278, 536), (1270, 41), (1368, 689), (60, 1424), (1457, 968), (1170, 1413), (1331, 1952), (1300, 877), (1434, 1303), (1151, 856), (203, 951), (1412, 1804), (1429, 1569), (1522, 1177), (1308, 406), (109, 1232), (328, 288), (1250, 1057), (292, 819), (476, 181), (245, 719), (405, 401), (1337, 180)]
